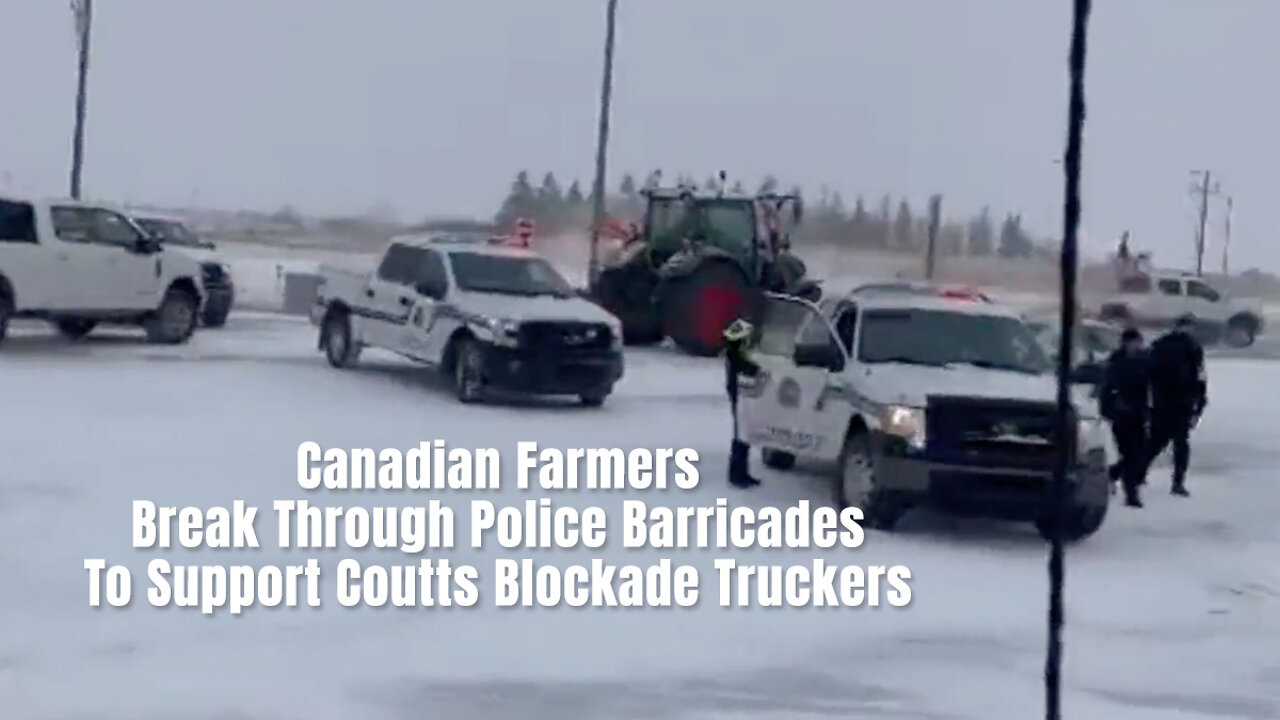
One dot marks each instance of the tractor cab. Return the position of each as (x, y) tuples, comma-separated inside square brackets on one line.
[(694, 265), (674, 218)]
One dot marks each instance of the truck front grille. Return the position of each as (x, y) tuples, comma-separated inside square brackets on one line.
[(993, 432), (565, 336)]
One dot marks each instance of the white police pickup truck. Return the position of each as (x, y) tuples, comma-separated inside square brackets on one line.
[(920, 400), (78, 264), (491, 316)]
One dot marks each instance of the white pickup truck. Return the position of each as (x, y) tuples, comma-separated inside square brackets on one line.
[(490, 316), (215, 273), (1160, 299), (921, 400), (78, 264)]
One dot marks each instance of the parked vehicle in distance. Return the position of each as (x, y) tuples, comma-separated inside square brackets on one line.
[(78, 264), (490, 316), (220, 290)]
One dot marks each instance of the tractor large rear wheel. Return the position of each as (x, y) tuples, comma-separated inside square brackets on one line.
[(698, 307)]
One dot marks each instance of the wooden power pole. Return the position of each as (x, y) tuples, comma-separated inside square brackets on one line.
[(83, 11), (931, 245), (602, 143), (1226, 236), (1204, 189)]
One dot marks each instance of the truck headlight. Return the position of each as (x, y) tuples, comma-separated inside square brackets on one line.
[(615, 333), (904, 422), (500, 332)]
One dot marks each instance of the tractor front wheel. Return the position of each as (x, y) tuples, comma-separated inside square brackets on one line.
[(616, 291), (699, 306)]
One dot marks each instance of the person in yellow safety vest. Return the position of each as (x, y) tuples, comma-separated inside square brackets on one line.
[(736, 363)]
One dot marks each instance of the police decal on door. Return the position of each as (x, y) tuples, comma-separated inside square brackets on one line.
[(789, 393)]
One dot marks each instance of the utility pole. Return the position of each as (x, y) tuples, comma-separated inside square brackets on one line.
[(602, 142), (1204, 189), (1226, 236), (83, 11), (931, 246)]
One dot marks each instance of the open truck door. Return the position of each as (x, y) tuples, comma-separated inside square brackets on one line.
[(783, 408)]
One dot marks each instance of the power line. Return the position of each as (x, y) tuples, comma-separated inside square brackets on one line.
[(1066, 415)]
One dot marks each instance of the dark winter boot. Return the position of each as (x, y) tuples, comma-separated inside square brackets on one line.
[(1131, 497), (1179, 489), (739, 475)]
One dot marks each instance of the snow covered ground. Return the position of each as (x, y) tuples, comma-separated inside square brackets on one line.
[(1173, 612)]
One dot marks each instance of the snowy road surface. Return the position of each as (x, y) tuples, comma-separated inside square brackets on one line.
[(1173, 611)]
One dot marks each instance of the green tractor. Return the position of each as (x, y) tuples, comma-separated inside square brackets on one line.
[(701, 260)]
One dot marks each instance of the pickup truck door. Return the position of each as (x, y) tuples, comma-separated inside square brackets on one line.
[(100, 268), (130, 280), (34, 260), (387, 299), (788, 407), (1166, 302), (420, 338), (1206, 303)]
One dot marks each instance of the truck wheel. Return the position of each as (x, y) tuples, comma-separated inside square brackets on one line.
[(777, 459), (175, 320), (335, 338), (215, 319), (1079, 523), (858, 485), (1242, 330), (75, 328), (468, 372), (697, 308), (593, 399), (6, 312)]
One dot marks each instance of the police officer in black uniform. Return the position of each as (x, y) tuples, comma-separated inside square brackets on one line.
[(737, 337), (1124, 401), (1179, 393)]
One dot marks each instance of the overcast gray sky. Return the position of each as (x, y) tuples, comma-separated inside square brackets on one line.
[(429, 107)]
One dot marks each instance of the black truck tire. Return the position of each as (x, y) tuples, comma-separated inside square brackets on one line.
[(75, 328), (175, 320), (336, 340)]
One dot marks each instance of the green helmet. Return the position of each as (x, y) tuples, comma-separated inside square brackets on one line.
[(738, 331)]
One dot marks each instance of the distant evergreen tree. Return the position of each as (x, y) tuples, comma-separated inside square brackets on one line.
[(982, 234), (521, 201), (904, 226)]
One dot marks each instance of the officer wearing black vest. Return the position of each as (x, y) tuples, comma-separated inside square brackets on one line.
[(737, 338)]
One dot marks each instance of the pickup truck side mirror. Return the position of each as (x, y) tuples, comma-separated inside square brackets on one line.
[(145, 245), (819, 355), (433, 290)]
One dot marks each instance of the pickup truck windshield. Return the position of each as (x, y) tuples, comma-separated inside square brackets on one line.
[(529, 276), (939, 338), (170, 232)]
